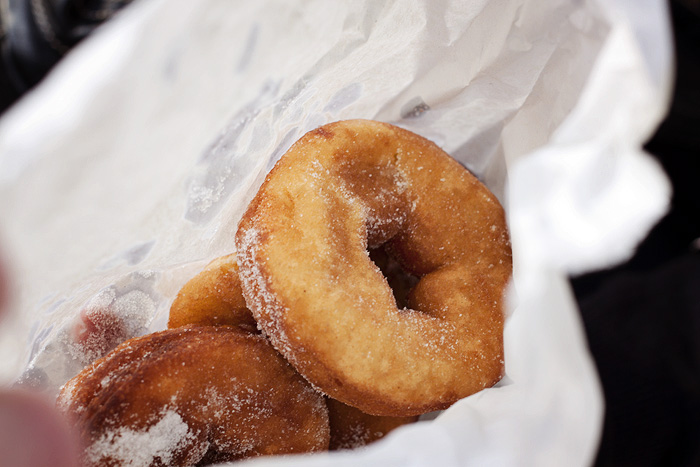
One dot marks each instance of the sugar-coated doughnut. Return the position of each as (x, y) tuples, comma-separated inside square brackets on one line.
[(96, 331), (193, 395), (212, 297), (302, 249), (350, 428)]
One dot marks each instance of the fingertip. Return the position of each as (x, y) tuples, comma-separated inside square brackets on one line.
[(4, 288), (33, 433)]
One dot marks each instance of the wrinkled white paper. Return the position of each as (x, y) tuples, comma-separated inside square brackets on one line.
[(129, 167)]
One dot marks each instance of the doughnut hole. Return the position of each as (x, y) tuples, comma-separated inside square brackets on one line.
[(400, 281)]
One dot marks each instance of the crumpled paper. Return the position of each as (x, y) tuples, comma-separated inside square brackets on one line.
[(128, 169)]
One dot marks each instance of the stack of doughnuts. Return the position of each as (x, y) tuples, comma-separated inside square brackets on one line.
[(193, 395), (366, 290)]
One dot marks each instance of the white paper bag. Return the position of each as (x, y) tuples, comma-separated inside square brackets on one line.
[(129, 167)]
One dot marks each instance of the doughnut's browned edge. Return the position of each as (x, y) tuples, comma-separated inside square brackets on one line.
[(236, 395), (305, 225), (351, 428), (212, 297)]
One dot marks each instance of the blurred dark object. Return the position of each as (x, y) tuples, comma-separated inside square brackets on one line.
[(36, 34), (643, 330), (691, 5), (643, 318)]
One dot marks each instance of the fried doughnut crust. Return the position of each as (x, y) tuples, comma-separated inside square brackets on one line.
[(212, 297), (302, 249), (200, 393), (218, 285), (351, 428)]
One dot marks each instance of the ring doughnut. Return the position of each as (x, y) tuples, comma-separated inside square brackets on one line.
[(352, 428), (214, 296), (194, 394), (302, 248)]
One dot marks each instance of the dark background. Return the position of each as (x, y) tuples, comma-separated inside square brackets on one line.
[(642, 318)]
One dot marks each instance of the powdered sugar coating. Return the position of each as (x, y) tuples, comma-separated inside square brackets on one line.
[(202, 300), (142, 448), (257, 294), (213, 297), (193, 394), (107, 319), (351, 428), (313, 289)]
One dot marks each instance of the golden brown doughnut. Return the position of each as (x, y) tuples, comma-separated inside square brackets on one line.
[(193, 394), (308, 279), (212, 297), (218, 285), (351, 428)]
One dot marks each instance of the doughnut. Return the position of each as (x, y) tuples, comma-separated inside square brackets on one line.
[(95, 332), (212, 297), (349, 427), (107, 319), (306, 274), (352, 428), (193, 395)]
